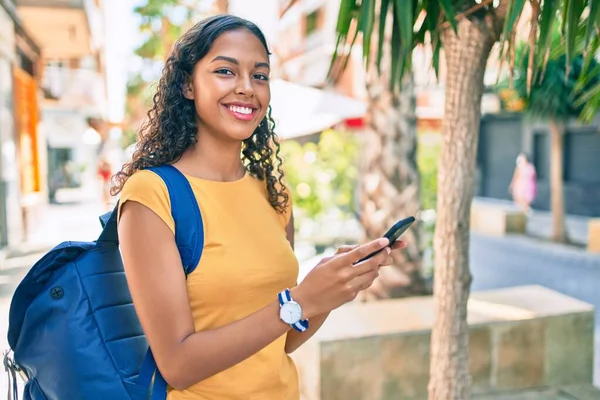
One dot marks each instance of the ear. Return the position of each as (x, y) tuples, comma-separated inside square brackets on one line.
[(188, 90)]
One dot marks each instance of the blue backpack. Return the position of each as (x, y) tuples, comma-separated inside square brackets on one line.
[(72, 325)]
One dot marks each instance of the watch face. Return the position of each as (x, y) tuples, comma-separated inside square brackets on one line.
[(290, 312)]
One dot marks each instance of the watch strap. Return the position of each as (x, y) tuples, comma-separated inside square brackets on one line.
[(285, 297)]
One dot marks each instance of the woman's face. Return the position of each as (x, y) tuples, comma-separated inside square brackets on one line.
[(230, 86)]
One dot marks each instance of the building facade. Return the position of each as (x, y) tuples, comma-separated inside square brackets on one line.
[(21, 148), (73, 83)]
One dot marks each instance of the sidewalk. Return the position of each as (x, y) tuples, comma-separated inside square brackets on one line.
[(539, 222)]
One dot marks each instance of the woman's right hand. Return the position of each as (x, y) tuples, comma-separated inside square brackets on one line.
[(338, 280)]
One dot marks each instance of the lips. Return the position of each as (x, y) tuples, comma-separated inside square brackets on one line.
[(242, 112)]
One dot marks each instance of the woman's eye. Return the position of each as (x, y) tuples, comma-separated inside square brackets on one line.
[(224, 71), (261, 77)]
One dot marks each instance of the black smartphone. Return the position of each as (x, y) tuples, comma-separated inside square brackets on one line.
[(393, 234)]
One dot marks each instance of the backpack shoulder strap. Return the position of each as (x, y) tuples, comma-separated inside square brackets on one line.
[(189, 228), (189, 236)]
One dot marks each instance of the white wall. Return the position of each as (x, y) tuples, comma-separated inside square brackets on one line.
[(9, 173), (263, 13)]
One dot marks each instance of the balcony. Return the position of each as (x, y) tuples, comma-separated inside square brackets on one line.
[(65, 29), (78, 89)]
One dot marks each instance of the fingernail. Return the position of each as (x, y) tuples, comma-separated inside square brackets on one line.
[(388, 250), (384, 241)]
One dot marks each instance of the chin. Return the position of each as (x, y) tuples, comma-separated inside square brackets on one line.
[(239, 135)]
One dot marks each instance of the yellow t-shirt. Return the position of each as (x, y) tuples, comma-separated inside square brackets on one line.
[(246, 261)]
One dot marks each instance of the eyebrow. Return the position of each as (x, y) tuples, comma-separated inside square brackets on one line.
[(259, 64)]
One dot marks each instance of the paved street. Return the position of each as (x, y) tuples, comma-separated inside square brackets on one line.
[(495, 262)]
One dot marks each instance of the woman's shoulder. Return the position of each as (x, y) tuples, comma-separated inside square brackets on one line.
[(148, 189), (143, 181)]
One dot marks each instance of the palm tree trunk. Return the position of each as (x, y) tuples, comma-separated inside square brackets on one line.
[(466, 57), (559, 231), (390, 181)]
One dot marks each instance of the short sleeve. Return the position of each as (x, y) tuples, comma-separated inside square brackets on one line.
[(147, 188)]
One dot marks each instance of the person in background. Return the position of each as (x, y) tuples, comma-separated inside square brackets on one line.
[(105, 174), (523, 186)]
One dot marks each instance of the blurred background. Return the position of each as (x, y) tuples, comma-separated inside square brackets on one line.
[(76, 80)]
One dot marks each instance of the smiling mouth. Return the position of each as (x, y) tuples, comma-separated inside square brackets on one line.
[(241, 112)]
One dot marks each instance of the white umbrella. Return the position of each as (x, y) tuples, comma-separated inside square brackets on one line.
[(302, 110)]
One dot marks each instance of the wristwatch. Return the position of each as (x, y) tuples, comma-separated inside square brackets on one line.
[(290, 312)]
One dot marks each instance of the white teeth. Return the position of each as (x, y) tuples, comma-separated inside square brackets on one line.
[(241, 110)]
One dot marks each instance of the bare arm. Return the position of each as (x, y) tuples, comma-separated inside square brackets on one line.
[(157, 284), (296, 339)]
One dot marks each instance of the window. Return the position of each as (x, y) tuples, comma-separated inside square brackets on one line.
[(581, 149), (312, 22)]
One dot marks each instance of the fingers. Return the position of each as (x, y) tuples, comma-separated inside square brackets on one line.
[(363, 281), (399, 244), (371, 264), (388, 261), (345, 248), (362, 251)]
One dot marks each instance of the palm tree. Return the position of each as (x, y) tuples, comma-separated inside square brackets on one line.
[(389, 183), (562, 92), (466, 30)]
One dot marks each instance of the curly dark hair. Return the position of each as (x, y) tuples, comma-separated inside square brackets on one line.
[(171, 125)]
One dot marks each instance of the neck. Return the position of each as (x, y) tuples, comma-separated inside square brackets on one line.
[(213, 159)]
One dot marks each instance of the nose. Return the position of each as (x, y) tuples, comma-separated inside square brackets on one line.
[(244, 87)]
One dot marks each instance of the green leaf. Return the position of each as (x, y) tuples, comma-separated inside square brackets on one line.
[(564, 12), (574, 11), (515, 10), (448, 8), (432, 16), (404, 18), (383, 12), (589, 95), (591, 52), (547, 19), (586, 79), (593, 20), (345, 17), (342, 28), (367, 21), (395, 50)]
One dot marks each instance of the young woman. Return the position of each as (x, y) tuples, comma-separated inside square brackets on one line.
[(523, 186), (222, 332)]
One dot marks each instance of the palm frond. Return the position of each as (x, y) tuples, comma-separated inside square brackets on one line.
[(406, 24)]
